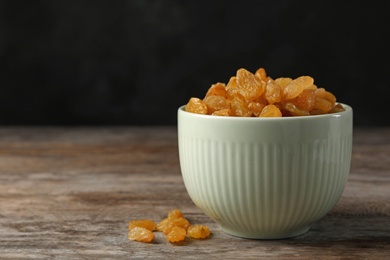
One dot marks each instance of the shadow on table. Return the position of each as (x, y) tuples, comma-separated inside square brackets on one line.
[(338, 231)]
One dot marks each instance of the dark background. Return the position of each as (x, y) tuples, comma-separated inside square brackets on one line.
[(135, 62)]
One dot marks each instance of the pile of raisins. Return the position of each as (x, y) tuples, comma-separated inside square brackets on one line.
[(258, 95), (175, 228)]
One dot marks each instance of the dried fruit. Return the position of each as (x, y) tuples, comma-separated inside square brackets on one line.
[(162, 224), (176, 234), (174, 226), (222, 112), (175, 219), (215, 103), (283, 82), (273, 93), (232, 84), (261, 74), (238, 105), (140, 234), (250, 86), (294, 110), (198, 231), (271, 111), (296, 87), (322, 93), (145, 223), (196, 105), (322, 105), (176, 222), (256, 108), (305, 100), (337, 108), (218, 89), (175, 213), (248, 95)]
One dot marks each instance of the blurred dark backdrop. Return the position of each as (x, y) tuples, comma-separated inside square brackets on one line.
[(135, 62)]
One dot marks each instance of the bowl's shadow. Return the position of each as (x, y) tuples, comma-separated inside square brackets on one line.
[(337, 233), (353, 227)]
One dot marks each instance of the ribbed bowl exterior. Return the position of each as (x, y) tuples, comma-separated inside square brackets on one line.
[(265, 179)]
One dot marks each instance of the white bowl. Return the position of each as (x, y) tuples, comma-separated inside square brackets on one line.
[(265, 178)]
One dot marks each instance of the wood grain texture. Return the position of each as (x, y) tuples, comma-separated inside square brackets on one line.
[(68, 193)]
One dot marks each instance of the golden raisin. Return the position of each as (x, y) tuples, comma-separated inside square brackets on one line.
[(174, 226), (294, 110), (223, 112), (145, 223), (283, 82), (217, 89), (296, 87), (256, 108), (231, 87), (140, 234), (176, 234), (247, 95), (196, 105), (322, 93), (317, 112), (273, 92), (262, 99), (322, 104), (305, 100), (238, 105), (261, 74), (232, 84), (198, 231), (271, 111), (175, 213), (176, 222), (161, 226), (215, 103), (337, 108), (249, 85)]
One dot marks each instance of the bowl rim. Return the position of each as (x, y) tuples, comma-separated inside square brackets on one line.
[(348, 109)]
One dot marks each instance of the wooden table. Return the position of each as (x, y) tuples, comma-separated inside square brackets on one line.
[(68, 193)]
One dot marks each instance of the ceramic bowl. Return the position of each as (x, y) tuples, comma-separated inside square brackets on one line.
[(265, 178)]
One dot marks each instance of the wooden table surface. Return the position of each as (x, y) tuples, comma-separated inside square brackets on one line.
[(68, 193)]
